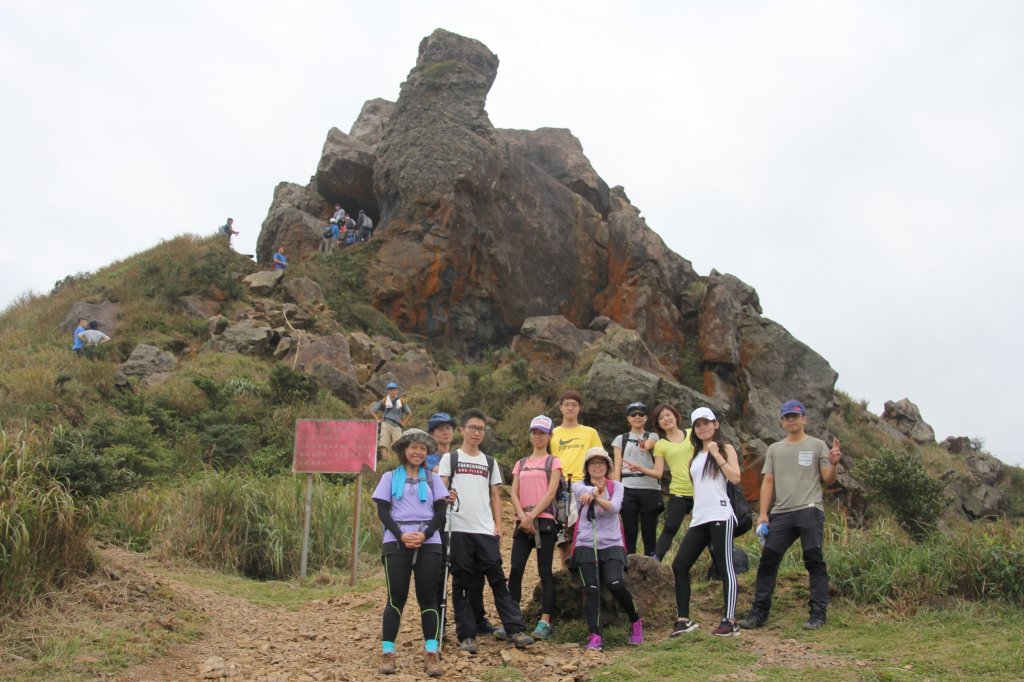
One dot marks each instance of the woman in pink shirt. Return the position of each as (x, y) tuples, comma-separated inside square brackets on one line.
[(534, 484)]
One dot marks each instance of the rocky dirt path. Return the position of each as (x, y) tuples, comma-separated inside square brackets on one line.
[(338, 639)]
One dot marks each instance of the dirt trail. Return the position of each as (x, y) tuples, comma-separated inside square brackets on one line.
[(339, 639)]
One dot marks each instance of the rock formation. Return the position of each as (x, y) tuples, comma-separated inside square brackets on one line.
[(906, 418)]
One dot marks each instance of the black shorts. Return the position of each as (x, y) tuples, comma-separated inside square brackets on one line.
[(642, 500)]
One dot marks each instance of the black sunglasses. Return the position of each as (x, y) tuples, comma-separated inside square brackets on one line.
[(636, 414)]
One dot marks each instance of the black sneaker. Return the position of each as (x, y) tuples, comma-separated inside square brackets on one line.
[(754, 619), (815, 622), (682, 626), (485, 627)]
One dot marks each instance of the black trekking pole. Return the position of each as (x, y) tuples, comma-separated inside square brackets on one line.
[(597, 563), (443, 607)]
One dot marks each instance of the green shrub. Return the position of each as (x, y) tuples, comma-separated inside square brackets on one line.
[(899, 481), (44, 531)]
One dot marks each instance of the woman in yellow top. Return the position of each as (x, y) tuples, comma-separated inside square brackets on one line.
[(675, 448)]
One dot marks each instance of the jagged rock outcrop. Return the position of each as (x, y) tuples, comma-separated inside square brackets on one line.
[(345, 173), (262, 283), (906, 418), (369, 125), (295, 221), (551, 344), (249, 337), (198, 307), (302, 290)]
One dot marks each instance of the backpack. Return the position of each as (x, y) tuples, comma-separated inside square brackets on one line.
[(626, 440), (741, 508), (559, 506), (328, 231)]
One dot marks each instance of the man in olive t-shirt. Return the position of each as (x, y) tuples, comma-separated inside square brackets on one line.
[(794, 470)]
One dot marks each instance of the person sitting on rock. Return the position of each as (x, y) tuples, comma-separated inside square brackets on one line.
[(599, 551), (713, 522), (411, 504), (280, 260)]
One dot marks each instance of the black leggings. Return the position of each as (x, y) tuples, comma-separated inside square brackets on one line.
[(611, 577), (641, 508), (678, 508), (398, 569), (522, 545), (717, 535)]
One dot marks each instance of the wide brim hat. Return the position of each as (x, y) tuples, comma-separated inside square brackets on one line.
[(594, 453), (414, 436)]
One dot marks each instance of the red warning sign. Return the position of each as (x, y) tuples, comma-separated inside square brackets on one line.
[(334, 446)]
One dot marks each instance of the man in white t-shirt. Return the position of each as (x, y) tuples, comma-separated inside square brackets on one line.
[(475, 548)]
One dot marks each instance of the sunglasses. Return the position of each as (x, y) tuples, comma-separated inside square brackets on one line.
[(636, 414)]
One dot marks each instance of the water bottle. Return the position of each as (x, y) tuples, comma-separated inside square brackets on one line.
[(762, 533)]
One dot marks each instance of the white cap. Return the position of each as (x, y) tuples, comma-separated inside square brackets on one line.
[(702, 413)]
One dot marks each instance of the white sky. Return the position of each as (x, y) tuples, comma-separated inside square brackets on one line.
[(859, 163)]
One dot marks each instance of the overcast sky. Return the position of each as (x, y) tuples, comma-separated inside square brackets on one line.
[(858, 163)]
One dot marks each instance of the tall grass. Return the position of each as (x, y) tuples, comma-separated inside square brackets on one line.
[(43, 530), (245, 523)]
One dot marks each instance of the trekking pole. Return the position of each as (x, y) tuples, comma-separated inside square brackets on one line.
[(454, 507), (597, 563)]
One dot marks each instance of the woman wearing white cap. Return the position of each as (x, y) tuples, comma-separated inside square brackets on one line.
[(599, 551), (535, 481), (712, 523)]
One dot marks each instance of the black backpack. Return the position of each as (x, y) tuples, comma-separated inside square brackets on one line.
[(455, 468), (741, 508)]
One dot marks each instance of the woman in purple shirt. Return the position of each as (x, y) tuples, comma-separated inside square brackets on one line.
[(599, 551), (411, 503)]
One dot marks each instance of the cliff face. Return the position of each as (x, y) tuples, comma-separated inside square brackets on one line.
[(483, 229)]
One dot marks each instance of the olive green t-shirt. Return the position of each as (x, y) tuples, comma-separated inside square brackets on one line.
[(677, 459), (797, 470)]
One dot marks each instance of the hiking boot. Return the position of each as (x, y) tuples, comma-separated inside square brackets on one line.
[(521, 639), (594, 642), (432, 665), (500, 634), (387, 664), (468, 645), (485, 627), (815, 622), (754, 619), (542, 631), (726, 629), (636, 632), (682, 626)]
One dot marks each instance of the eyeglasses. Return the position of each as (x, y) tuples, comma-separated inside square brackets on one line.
[(792, 416), (475, 429), (636, 414)]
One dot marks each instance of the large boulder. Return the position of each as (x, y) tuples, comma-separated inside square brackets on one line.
[(413, 368), (199, 308), (146, 360), (264, 282), (308, 350), (249, 337), (906, 418), (302, 290), (718, 322), (104, 313), (551, 344), (373, 117), (295, 221), (345, 173)]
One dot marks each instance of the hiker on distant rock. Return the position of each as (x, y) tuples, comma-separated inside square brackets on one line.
[(599, 551), (475, 480), (791, 507), (676, 450), (227, 230), (338, 217), (93, 336), (351, 232), (76, 340), (535, 480), (712, 524), (570, 442), (280, 260), (391, 413), (365, 225), (411, 504), (640, 472), (332, 231)]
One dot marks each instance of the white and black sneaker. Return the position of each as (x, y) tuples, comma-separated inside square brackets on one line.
[(682, 626)]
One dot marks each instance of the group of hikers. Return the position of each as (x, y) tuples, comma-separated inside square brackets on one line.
[(344, 230), (441, 512)]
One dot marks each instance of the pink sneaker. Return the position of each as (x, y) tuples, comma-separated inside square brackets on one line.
[(595, 642), (636, 632)]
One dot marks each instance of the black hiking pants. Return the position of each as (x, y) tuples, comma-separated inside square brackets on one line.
[(808, 525), (475, 558)]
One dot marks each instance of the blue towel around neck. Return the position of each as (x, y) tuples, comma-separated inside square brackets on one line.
[(398, 477)]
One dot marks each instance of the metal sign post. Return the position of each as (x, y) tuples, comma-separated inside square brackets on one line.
[(332, 446)]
